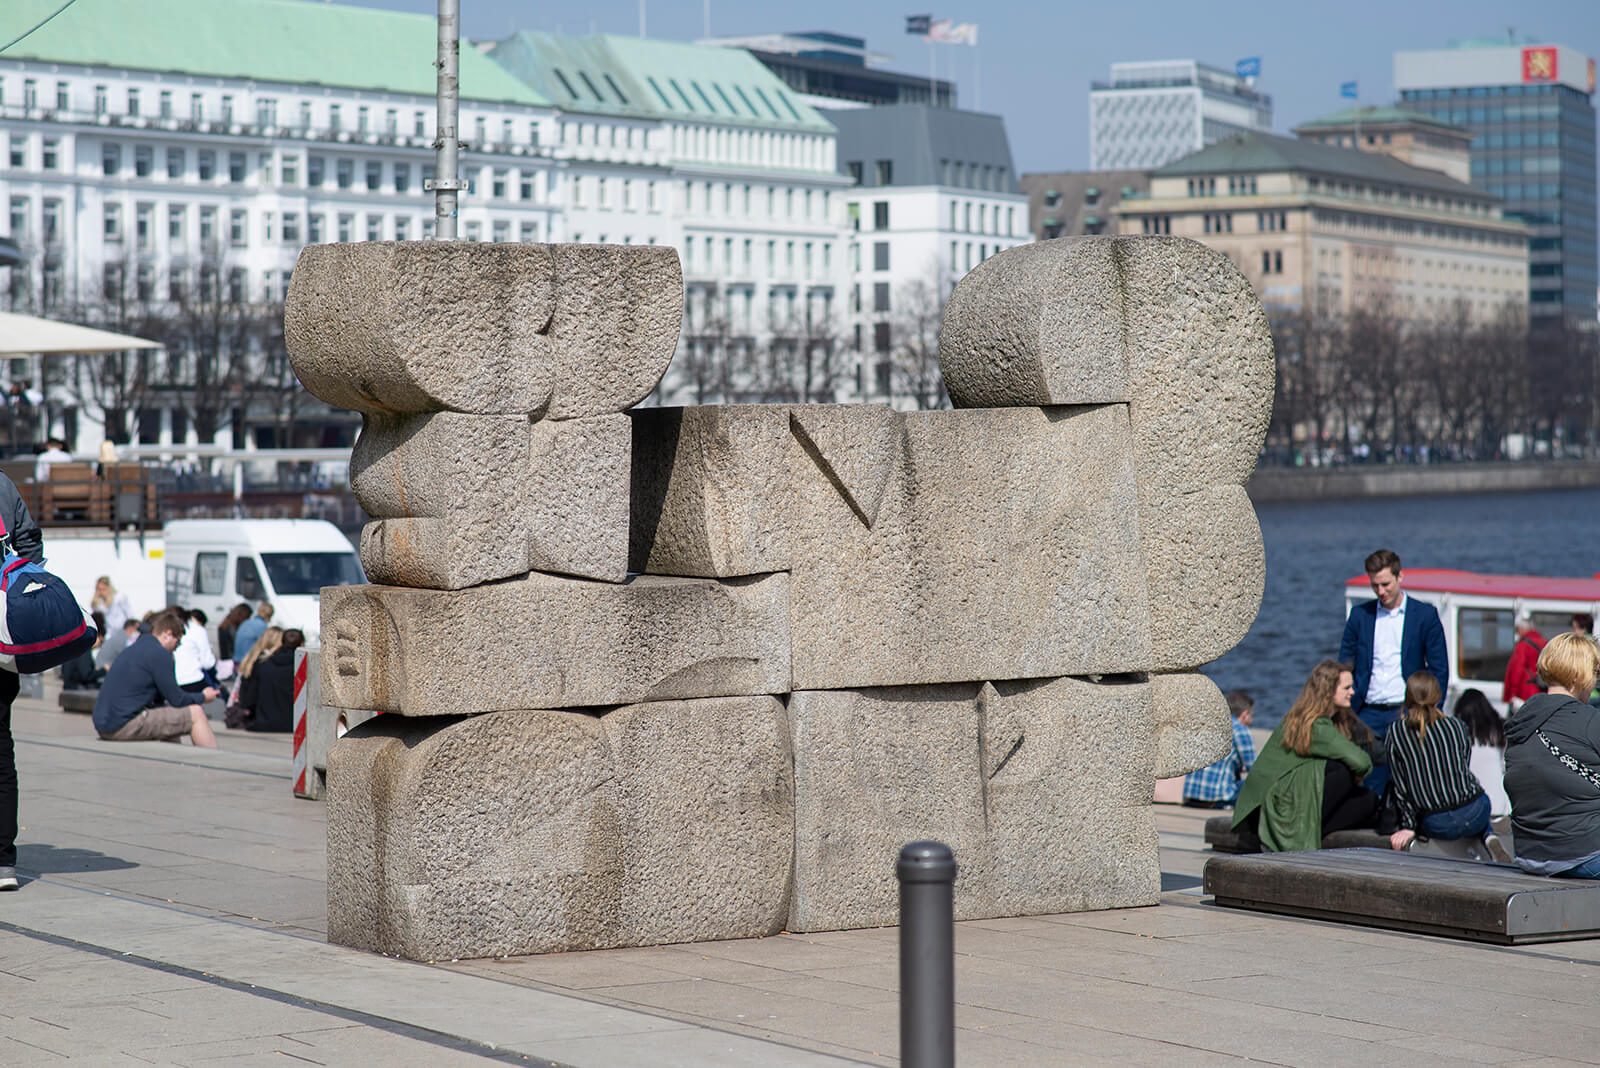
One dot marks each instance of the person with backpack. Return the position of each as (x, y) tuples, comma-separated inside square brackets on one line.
[(1522, 670), (26, 541)]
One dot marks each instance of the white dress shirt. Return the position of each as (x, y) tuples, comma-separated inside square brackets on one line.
[(1387, 684), (193, 655)]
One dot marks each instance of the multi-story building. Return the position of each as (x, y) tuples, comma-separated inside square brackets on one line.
[(1076, 203), (1408, 136), (153, 172), (935, 196), (704, 149), (1332, 229), (1151, 113), (1530, 110), (835, 70)]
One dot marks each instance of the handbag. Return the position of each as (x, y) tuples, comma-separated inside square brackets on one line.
[(41, 623)]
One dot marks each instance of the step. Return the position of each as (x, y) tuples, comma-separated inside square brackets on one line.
[(1407, 892)]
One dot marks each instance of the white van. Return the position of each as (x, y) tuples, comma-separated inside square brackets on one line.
[(214, 564)]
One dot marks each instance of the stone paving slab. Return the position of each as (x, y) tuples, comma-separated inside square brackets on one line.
[(152, 851)]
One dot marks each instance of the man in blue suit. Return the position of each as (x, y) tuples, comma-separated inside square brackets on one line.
[(1385, 641)]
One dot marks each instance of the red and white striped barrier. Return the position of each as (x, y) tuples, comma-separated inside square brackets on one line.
[(297, 769)]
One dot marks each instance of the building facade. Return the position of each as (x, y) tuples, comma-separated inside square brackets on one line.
[(935, 195), (1530, 110), (1151, 113), (1331, 230), (835, 70), (1078, 203)]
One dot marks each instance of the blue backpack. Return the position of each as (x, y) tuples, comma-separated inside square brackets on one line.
[(41, 623)]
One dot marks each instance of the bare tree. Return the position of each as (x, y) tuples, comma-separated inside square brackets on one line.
[(914, 342)]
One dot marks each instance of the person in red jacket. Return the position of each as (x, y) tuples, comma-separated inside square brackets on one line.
[(1522, 677)]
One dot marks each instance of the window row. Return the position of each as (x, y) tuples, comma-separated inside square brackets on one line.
[(988, 219), (748, 201), (963, 258), (739, 257)]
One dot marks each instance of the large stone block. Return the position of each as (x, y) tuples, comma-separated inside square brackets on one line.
[(539, 831), (490, 329), (545, 641), (1206, 567), (1193, 726), (1005, 546), (1041, 788), (466, 499), (1165, 323)]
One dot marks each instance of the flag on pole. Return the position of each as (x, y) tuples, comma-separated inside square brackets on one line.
[(918, 24), (945, 31), (1348, 90), (1248, 68)]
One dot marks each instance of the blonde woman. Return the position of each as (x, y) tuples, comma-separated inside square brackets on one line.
[(114, 605), (1553, 765), (1430, 767), (239, 710), (1306, 782)]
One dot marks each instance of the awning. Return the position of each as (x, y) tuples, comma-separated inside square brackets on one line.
[(26, 333)]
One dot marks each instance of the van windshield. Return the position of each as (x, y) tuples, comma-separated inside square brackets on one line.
[(293, 573)]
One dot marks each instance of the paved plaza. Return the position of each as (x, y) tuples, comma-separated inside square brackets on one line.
[(174, 913)]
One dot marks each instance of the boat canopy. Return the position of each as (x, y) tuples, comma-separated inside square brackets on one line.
[(1511, 587)]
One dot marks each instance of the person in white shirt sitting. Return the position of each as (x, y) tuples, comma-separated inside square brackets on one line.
[(194, 662), (55, 452)]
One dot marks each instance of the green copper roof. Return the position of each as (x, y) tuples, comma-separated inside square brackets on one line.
[(287, 41), (638, 76), (1376, 116)]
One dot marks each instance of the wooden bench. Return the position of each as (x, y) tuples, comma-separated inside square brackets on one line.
[(1222, 838), (1408, 892), (78, 700)]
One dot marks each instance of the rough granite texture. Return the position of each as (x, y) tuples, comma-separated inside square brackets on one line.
[(466, 499), (1041, 788), (490, 329), (1193, 727), (533, 831), (545, 641), (1006, 546)]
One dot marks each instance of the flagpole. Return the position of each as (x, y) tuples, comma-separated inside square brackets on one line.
[(977, 82), (933, 76)]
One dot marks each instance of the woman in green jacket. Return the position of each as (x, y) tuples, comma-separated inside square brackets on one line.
[(1307, 780)]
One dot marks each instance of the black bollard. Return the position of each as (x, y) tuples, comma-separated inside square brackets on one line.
[(927, 873)]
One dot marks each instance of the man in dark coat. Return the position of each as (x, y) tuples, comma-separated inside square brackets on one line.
[(25, 540)]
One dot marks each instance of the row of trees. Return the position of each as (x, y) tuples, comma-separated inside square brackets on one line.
[(1370, 385)]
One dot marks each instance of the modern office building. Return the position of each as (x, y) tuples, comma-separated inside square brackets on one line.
[(936, 194), (1332, 229), (1151, 113), (1530, 108), (835, 70), (1078, 203)]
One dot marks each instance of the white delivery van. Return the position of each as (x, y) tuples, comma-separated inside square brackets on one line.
[(214, 564)]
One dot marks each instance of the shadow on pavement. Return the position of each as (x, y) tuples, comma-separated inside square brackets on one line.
[(1174, 881), (47, 859)]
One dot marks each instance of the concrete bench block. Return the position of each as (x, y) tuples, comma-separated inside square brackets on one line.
[(1406, 892), (491, 329), (1166, 324), (78, 700), (1005, 546), (1205, 567), (545, 641), (1193, 727), (465, 499), (1041, 788), (541, 831)]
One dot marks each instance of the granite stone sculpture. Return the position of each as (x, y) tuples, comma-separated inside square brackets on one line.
[(674, 674)]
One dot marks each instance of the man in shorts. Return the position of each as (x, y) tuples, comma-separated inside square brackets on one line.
[(141, 700)]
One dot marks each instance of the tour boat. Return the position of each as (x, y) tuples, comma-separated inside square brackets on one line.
[(1478, 611)]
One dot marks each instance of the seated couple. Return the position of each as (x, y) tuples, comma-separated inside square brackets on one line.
[(141, 700)]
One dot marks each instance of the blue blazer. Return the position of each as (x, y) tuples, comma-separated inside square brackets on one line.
[(1422, 645)]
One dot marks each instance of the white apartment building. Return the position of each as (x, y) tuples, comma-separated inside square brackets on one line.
[(1151, 113), (935, 195)]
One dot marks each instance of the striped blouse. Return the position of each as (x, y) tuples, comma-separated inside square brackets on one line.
[(1430, 774)]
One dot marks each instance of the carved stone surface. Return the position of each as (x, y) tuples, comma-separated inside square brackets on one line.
[(1041, 788), (552, 642), (1005, 546), (491, 329), (526, 832), (1193, 727)]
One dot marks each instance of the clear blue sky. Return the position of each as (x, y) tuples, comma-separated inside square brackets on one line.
[(1036, 59)]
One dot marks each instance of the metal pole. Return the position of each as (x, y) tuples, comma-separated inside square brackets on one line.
[(446, 181), (927, 874)]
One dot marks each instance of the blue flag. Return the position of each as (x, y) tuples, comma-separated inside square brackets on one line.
[(1348, 90), (918, 24), (1248, 68)]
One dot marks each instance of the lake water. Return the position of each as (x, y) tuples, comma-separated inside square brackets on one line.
[(1312, 548)]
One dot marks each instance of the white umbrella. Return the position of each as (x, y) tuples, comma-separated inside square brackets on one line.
[(27, 333)]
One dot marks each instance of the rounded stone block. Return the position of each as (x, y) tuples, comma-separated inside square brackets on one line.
[(1206, 568), (489, 329), (1193, 727)]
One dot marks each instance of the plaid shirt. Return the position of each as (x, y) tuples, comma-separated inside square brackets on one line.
[(1220, 782)]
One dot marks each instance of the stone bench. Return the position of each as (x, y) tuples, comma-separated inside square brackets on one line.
[(78, 700), (1222, 838), (1407, 892)]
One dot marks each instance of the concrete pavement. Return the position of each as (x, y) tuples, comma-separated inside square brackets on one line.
[(174, 914)]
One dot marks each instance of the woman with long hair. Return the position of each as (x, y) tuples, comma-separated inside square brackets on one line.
[(1306, 782), (244, 698), (1435, 793), (229, 627), (1553, 765), (1487, 758)]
